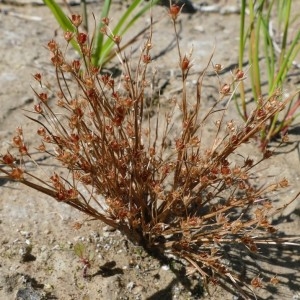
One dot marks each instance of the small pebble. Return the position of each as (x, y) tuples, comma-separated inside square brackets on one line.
[(130, 285), (165, 268)]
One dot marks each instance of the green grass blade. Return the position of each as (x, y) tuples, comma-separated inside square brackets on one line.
[(242, 45), (286, 16), (120, 29), (98, 48), (242, 34), (139, 14), (269, 51), (287, 62), (59, 15), (255, 23)]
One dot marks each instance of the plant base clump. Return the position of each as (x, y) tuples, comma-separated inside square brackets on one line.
[(170, 191)]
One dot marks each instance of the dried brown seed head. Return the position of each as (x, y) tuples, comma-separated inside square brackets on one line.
[(218, 68), (76, 65), (43, 97), (23, 149), (94, 70), (256, 282), (81, 38), (17, 173), (274, 280), (17, 141), (38, 77), (8, 159), (260, 113), (268, 154), (41, 131), (146, 58), (106, 21), (41, 147), (66, 68), (239, 75), (174, 11), (57, 60), (103, 30), (225, 89), (52, 46), (76, 20), (185, 63), (249, 162), (225, 170), (230, 126), (284, 183), (68, 35), (38, 108), (117, 39)]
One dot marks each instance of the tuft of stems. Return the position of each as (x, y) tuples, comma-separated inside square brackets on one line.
[(170, 191)]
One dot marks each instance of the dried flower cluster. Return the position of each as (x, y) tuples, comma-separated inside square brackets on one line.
[(185, 199)]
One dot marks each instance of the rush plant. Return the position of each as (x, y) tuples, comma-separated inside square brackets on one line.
[(159, 180), (272, 52)]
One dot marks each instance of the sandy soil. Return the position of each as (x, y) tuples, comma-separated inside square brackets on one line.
[(38, 234)]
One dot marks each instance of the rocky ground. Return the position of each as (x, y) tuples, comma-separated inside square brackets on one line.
[(38, 235)]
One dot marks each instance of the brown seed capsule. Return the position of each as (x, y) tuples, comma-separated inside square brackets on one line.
[(76, 20), (43, 97), (174, 11), (38, 108), (41, 131), (41, 148), (103, 30), (239, 74), (17, 173), (256, 282), (146, 59), (8, 159), (117, 39), (105, 21), (77, 225), (260, 114), (225, 170), (81, 38), (274, 280), (52, 46), (57, 60), (185, 64), (76, 65), (17, 140), (68, 35), (94, 70), (218, 68), (66, 68), (284, 183), (268, 154), (225, 90), (23, 149), (38, 77)]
